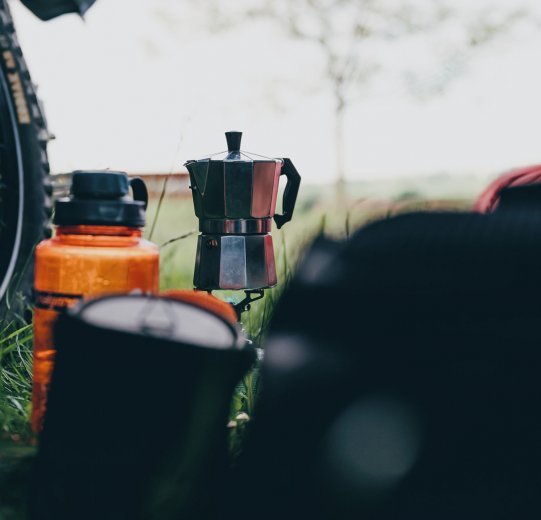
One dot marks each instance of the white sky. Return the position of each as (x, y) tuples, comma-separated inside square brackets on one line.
[(127, 91)]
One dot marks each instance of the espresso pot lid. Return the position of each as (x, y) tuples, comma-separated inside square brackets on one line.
[(234, 152)]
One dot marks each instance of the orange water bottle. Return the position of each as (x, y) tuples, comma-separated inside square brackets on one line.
[(97, 249)]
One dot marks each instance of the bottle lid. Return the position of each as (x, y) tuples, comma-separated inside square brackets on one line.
[(234, 154), (204, 300), (102, 198), (168, 318)]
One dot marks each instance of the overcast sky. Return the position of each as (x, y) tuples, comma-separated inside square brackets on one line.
[(131, 89)]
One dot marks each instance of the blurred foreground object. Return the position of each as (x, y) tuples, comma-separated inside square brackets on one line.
[(401, 376), (137, 413), (98, 249), (234, 195), (489, 200), (48, 9)]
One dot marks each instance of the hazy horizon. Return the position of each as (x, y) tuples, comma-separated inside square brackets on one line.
[(126, 89)]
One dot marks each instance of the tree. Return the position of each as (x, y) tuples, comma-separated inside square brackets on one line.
[(352, 36)]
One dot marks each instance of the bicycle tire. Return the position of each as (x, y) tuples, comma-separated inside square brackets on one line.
[(25, 186)]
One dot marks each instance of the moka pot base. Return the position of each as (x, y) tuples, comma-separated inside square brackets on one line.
[(234, 262)]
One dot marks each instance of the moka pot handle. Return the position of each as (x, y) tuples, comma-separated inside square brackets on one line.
[(290, 192)]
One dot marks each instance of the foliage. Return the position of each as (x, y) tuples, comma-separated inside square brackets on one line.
[(15, 380), (357, 40), (176, 219), (355, 35)]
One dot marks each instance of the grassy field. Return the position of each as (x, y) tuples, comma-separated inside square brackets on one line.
[(175, 230), (315, 213)]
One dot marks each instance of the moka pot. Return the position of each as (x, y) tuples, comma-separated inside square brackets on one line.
[(234, 195)]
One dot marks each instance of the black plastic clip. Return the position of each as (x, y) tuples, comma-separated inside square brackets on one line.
[(251, 296)]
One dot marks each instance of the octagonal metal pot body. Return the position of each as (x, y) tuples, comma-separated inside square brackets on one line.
[(234, 262), (238, 189)]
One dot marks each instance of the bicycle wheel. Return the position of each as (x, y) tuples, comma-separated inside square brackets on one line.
[(25, 188)]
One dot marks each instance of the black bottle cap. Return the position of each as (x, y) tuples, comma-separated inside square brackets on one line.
[(102, 198), (99, 185)]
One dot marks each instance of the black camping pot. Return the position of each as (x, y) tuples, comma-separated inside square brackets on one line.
[(137, 411)]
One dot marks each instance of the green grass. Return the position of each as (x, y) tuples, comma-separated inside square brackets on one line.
[(15, 380), (176, 233), (177, 261), (315, 214)]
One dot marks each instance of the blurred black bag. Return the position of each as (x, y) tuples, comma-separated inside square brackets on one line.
[(48, 9), (401, 376)]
